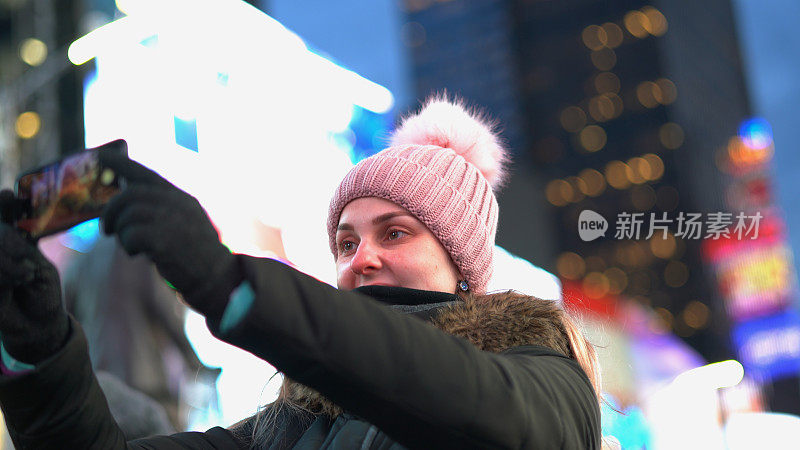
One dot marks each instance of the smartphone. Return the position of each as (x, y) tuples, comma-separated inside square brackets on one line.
[(60, 195)]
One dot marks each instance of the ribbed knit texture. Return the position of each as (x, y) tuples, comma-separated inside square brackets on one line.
[(440, 188)]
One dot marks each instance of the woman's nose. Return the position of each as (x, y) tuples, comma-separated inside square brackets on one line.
[(366, 259)]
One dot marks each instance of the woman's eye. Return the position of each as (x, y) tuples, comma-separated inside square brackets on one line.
[(396, 234), (346, 246)]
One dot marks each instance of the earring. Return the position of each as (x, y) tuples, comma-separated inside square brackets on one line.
[(463, 285)]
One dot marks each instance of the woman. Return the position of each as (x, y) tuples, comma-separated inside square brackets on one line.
[(413, 228)]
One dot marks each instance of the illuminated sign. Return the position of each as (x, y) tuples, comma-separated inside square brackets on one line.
[(755, 277), (770, 345)]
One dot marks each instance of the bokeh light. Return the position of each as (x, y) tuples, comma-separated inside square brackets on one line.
[(604, 59), (756, 133), (28, 125), (594, 182), (614, 34), (676, 274), (636, 22), (558, 192), (617, 279), (656, 23), (648, 94), (667, 90), (33, 51), (601, 108), (592, 138), (671, 135), (662, 247), (596, 285), (570, 266), (578, 188), (594, 37), (696, 314), (618, 175), (655, 165), (605, 82), (573, 119), (640, 170), (744, 156)]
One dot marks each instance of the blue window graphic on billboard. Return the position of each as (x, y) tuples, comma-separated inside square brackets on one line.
[(186, 133), (770, 346)]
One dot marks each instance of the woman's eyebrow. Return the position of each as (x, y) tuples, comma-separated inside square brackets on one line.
[(389, 215), (382, 218)]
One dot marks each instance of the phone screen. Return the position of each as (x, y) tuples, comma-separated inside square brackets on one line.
[(63, 194)]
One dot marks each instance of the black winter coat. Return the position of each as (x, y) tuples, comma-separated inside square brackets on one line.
[(400, 381)]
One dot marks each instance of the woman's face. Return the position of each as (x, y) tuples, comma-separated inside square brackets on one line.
[(380, 243)]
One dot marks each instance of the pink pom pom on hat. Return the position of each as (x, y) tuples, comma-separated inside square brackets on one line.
[(441, 166)]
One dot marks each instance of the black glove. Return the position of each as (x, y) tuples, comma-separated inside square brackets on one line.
[(33, 322), (153, 217)]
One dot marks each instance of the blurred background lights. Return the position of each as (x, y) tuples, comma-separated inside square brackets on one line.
[(592, 138), (756, 133), (648, 94), (676, 274), (570, 266), (662, 247), (670, 135), (578, 188), (618, 175), (594, 37), (712, 376), (640, 170), (696, 314), (33, 51), (743, 156), (596, 285), (122, 5), (601, 108), (614, 34), (748, 430), (604, 59), (647, 21), (656, 23), (636, 23), (573, 119), (655, 166), (662, 320), (605, 82), (593, 182), (558, 192), (617, 280), (28, 124), (668, 91)]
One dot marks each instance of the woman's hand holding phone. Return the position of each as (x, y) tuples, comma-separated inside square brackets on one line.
[(153, 217), (33, 322)]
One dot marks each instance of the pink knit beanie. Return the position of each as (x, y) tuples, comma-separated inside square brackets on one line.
[(441, 166)]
